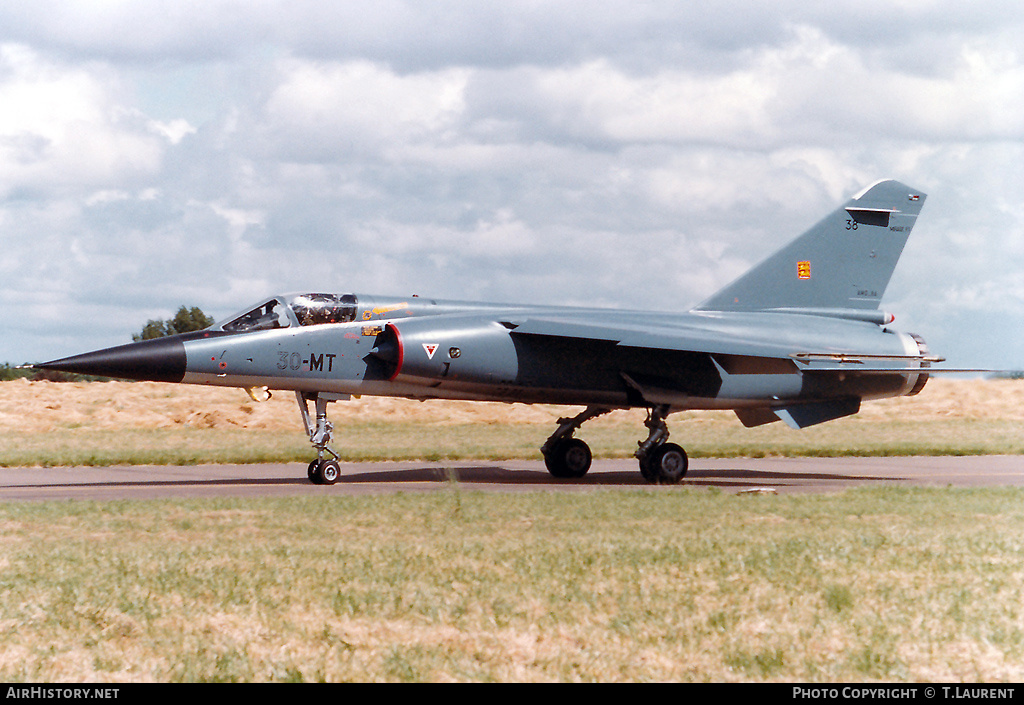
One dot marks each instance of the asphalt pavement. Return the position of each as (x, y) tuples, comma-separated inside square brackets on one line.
[(778, 475)]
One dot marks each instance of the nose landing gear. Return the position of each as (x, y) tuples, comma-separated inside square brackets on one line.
[(321, 471)]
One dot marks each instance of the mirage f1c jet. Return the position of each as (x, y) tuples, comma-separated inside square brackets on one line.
[(799, 338)]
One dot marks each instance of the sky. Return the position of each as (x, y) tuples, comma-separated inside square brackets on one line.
[(627, 154)]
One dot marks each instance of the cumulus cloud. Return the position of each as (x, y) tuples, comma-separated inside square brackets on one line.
[(328, 110), (64, 125)]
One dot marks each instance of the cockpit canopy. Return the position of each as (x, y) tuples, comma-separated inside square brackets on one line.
[(294, 310), (317, 309)]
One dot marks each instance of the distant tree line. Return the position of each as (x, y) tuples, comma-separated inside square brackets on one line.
[(9, 372), (185, 320)]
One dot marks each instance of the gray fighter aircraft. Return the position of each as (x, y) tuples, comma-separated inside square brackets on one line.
[(799, 338)]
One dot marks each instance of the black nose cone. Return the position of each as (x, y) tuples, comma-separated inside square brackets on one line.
[(157, 360)]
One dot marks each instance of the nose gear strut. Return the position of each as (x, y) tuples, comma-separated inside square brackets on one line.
[(320, 471)]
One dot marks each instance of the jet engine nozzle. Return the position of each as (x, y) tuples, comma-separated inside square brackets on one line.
[(922, 379)]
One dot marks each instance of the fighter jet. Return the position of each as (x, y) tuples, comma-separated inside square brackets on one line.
[(799, 338)]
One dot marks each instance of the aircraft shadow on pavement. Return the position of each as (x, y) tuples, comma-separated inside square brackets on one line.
[(486, 476), (497, 475)]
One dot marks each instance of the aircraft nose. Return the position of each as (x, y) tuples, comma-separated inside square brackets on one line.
[(157, 360)]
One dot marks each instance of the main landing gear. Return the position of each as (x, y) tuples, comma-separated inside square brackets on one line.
[(321, 471), (564, 455), (661, 462)]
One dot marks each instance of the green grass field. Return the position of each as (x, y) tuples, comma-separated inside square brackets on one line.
[(668, 585)]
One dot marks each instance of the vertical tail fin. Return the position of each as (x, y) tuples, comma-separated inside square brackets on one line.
[(843, 262)]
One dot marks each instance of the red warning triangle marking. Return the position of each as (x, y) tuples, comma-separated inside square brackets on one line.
[(431, 348)]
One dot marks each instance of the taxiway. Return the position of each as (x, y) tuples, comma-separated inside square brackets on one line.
[(779, 475)]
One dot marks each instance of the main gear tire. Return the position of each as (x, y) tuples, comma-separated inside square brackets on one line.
[(665, 465), (569, 459)]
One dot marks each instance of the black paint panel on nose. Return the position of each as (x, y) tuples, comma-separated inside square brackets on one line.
[(157, 360)]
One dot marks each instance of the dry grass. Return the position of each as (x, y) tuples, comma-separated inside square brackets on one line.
[(44, 407), (44, 423)]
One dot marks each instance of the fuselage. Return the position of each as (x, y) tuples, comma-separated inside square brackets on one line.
[(428, 348)]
